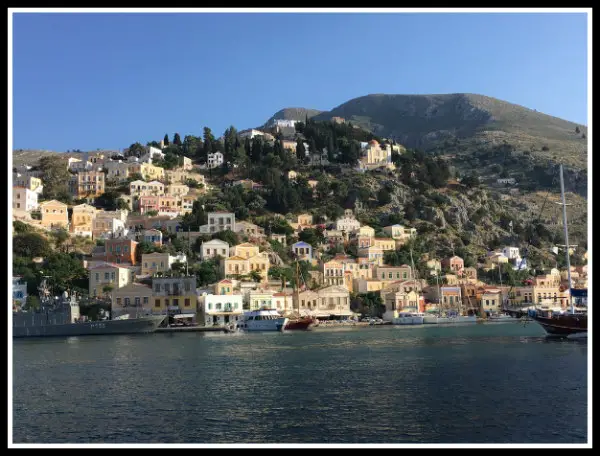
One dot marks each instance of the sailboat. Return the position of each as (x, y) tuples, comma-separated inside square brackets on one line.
[(409, 317), (302, 323), (439, 318), (570, 323)]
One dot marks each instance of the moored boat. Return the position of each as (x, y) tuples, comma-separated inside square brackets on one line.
[(262, 320), (300, 324), (60, 317), (409, 318)]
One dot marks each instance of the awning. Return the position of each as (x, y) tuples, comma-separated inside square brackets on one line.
[(184, 316), (344, 313)]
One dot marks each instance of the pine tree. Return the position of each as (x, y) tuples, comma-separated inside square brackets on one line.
[(176, 139), (166, 139)]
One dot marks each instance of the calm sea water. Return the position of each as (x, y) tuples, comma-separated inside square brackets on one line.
[(493, 383)]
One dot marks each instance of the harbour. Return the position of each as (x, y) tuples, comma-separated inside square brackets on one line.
[(375, 384)]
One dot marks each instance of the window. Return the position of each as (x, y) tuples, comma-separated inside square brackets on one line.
[(157, 303), (137, 301), (126, 301), (390, 275), (397, 275), (112, 276), (157, 287), (106, 276), (404, 275), (145, 300), (167, 302), (176, 302), (118, 301), (187, 286), (487, 302), (186, 302)]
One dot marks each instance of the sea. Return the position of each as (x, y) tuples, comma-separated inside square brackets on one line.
[(481, 383)]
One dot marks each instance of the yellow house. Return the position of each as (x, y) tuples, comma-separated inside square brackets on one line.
[(82, 219), (393, 273), (155, 262), (397, 301), (384, 244), (177, 294), (491, 300), (177, 190), (54, 214), (245, 250), (261, 264), (235, 265), (29, 182), (133, 299), (260, 299), (366, 231), (305, 219), (108, 274), (224, 287), (367, 285), (148, 171)]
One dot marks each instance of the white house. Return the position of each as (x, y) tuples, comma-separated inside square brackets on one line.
[(511, 252), (214, 160), (221, 221), (251, 133), (219, 310), (24, 199), (213, 248), (284, 123), (347, 224)]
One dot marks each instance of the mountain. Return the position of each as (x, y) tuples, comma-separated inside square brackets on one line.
[(431, 121), (292, 114)]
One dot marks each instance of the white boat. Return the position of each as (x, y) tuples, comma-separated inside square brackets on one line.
[(500, 318), (437, 320), (262, 320), (409, 318), (463, 319)]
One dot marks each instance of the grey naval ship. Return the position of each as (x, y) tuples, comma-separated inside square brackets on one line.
[(61, 317)]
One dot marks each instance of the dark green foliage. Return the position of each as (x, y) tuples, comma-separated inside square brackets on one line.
[(177, 139), (166, 139), (55, 177), (228, 236), (206, 272), (31, 245), (135, 150)]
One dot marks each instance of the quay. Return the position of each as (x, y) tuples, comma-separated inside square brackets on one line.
[(191, 329)]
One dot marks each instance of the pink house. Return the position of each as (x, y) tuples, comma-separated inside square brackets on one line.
[(454, 264), (149, 203)]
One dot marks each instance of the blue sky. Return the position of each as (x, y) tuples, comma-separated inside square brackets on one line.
[(88, 80)]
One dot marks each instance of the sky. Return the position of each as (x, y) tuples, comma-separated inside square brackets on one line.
[(104, 81)]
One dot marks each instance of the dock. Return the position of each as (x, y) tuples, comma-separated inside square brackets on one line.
[(171, 329)]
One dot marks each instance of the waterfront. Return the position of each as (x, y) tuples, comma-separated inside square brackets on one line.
[(487, 383)]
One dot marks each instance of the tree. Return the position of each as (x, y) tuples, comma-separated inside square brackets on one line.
[(176, 139), (300, 151), (227, 236), (383, 197), (166, 139), (577, 130), (210, 143), (135, 150), (206, 272), (32, 303), (55, 177), (60, 237), (471, 180), (255, 276), (31, 245)]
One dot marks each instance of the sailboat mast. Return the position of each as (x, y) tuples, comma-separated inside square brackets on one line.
[(412, 263), (564, 205)]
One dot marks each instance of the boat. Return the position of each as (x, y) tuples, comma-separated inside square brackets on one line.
[(409, 318), (60, 317), (301, 323), (498, 318), (262, 320), (571, 323)]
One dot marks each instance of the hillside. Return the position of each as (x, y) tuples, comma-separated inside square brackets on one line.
[(428, 121)]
